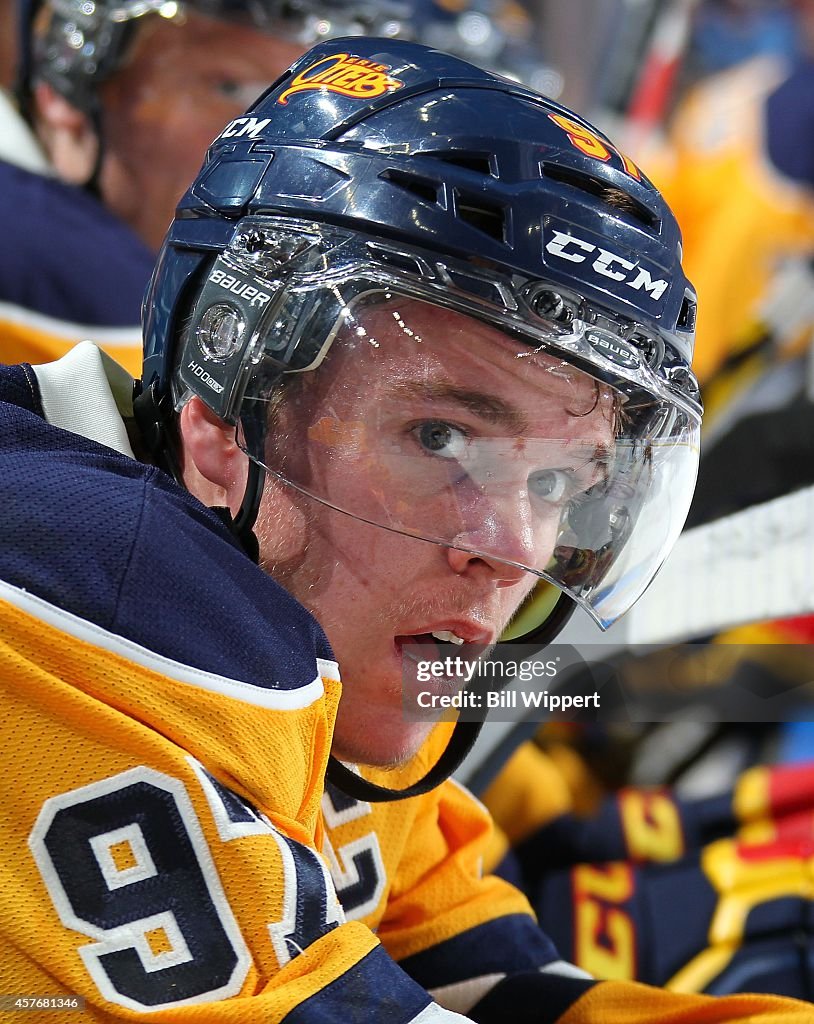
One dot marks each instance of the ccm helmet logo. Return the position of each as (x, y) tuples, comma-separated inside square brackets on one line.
[(210, 381), (248, 127), (606, 263)]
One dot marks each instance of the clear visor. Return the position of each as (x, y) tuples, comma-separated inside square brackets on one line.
[(434, 424)]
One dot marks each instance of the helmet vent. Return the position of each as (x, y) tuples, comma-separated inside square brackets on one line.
[(485, 217), (480, 163), (613, 197), (419, 187), (686, 318)]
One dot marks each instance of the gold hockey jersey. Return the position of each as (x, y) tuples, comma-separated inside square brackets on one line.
[(167, 847)]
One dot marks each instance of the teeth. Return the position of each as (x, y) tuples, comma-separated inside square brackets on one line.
[(446, 637)]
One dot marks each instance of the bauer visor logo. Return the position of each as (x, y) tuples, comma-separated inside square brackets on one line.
[(207, 378), (613, 349), (606, 263), (343, 73), (239, 287)]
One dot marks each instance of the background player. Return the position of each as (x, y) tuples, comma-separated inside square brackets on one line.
[(122, 100)]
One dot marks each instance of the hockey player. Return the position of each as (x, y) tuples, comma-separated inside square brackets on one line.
[(124, 98), (417, 339)]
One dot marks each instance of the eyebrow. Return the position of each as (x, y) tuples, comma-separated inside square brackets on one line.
[(602, 458), (604, 453), (489, 408)]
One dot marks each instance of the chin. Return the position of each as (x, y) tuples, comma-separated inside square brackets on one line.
[(383, 749)]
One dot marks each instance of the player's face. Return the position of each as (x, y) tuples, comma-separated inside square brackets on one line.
[(451, 431), (181, 84)]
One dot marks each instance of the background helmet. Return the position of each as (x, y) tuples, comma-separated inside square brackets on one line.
[(76, 44), (377, 167)]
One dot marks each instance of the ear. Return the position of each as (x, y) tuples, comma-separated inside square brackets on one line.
[(67, 135), (213, 468)]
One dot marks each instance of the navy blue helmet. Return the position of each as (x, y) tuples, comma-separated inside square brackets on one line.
[(388, 212), (376, 167)]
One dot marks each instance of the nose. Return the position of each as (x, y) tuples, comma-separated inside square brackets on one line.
[(507, 537), (469, 563)]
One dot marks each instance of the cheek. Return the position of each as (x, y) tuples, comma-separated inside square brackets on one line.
[(358, 574), (359, 561), (283, 531)]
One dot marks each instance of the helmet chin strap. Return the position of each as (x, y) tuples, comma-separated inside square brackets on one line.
[(243, 523), (460, 742)]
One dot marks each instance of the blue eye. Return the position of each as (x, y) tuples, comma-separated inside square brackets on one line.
[(551, 485), (442, 439)]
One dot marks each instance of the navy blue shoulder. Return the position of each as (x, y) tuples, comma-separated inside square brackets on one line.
[(790, 125), (19, 386), (70, 258), (121, 545)]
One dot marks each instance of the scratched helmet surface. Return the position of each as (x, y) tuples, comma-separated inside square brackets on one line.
[(390, 208)]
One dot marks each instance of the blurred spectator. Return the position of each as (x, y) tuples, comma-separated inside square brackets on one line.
[(742, 185), (729, 32), (104, 88)]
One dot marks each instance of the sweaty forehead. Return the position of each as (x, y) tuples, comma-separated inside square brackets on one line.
[(408, 339)]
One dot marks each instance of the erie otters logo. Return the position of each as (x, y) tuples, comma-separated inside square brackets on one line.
[(343, 73)]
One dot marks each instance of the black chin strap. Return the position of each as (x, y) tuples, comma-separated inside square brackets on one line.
[(460, 743), (153, 414), (243, 524)]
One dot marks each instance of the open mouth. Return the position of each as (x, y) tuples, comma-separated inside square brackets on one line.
[(439, 660), (438, 636), (407, 646), (446, 636), (469, 640)]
